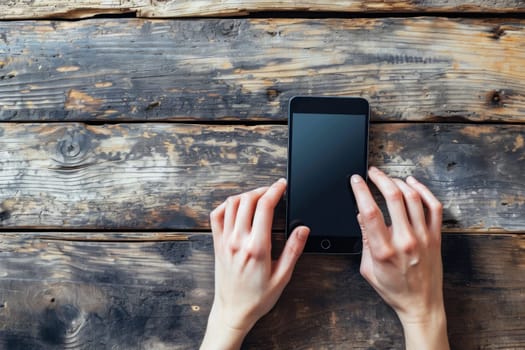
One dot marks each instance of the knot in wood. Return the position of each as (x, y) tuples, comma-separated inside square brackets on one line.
[(61, 324), (72, 147), (226, 27), (68, 149)]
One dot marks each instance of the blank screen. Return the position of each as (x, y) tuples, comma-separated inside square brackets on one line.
[(326, 149)]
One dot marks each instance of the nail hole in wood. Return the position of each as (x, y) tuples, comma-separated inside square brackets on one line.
[(495, 98), (497, 32)]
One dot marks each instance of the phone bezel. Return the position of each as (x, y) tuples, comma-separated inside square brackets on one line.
[(326, 105)]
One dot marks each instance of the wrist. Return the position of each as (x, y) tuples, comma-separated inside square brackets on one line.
[(220, 335), (429, 332)]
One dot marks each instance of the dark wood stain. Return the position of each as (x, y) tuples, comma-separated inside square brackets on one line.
[(165, 290)]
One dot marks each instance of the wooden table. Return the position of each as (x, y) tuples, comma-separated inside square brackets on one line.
[(119, 134)]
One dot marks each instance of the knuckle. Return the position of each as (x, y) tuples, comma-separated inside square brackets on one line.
[(362, 271), (214, 215), (245, 198), (426, 241), (231, 200), (394, 195), (254, 252), (409, 245), (264, 203), (385, 254), (365, 272), (412, 195), (370, 213), (233, 245)]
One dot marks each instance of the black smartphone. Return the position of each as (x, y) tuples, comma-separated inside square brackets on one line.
[(327, 144)]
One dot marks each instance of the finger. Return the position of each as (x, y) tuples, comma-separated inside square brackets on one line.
[(232, 205), (217, 224), (248, 202), (217, 219), (292, 251), (370, 217), (435, 208), (263, 218), (414, 206), (393, 197)]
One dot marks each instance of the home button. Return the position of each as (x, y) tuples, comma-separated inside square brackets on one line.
[(326, 244)]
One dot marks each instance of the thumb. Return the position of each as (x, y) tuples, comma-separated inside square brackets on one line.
[(292, 251)]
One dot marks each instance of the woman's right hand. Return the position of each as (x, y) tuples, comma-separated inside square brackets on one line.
[(402, 262)]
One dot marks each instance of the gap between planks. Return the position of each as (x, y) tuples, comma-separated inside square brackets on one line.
[(148, 237)]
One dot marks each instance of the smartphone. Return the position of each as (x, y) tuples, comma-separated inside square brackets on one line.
[(327, 144)]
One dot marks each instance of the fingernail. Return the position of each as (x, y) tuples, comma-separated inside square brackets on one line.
[(303, 233), (282, 180), (411, 180), (373, 168), (356, 179)]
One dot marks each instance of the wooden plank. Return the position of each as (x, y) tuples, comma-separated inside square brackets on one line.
[(104, 295), (169, 176), (122, 295), (192, 8), (247, 69)]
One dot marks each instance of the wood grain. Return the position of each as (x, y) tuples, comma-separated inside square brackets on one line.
[(169, 176), (137, 295), (416, 69), (191, 8)]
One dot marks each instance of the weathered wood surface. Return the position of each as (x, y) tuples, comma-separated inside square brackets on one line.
[(153, 290), (247, 69), (20, 9), (169, 176), (145, 295)]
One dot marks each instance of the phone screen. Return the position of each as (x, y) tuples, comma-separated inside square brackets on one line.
[(325, 150)]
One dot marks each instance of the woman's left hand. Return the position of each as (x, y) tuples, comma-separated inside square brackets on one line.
[(247, 282)]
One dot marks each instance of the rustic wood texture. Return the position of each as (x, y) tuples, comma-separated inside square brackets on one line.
[(190, 8), (169, 176), (145, 295), (417, 69), (94, 285)]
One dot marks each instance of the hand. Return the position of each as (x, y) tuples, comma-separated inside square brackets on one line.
[(247, 281), (402, 262)]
